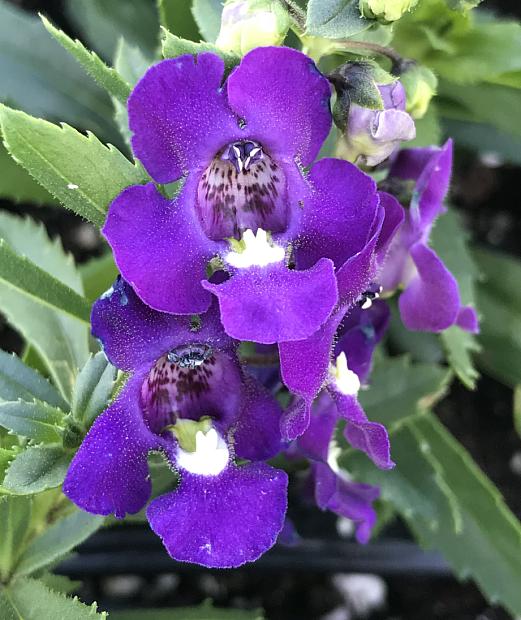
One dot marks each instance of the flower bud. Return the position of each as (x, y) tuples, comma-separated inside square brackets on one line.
[(420, 86), (372, 135), (385, 11), (246, 24)]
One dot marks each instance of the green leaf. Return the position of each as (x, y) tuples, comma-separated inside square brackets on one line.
[(400, 389), (204, 612), (81, 172), (18, 381), (37, 420), (38, 76), (15, 515), (487, 546), (17, 185), (93, 389), (207, 14), (130, 63), (59, 583), (36, 469), (499, 303), (174, 46), (449, 239), (30, 599), (29, 280), (98, 275), (428, 129), (335, 19), (177, 17), (105, 76), (415, 486), (60, 341), (102, 23), (57, 541)]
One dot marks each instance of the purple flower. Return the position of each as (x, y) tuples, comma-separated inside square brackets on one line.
[(373, 135), (188, 399), (430, 300), (288, 246), (334, 490)]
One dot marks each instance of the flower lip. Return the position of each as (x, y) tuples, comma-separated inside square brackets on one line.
[(243, 187)]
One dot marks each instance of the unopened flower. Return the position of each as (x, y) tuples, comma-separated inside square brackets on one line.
[(386, 11), (290, 245), (188, 399), (420, 85), (246, 24), (430, 300), (371, 136)]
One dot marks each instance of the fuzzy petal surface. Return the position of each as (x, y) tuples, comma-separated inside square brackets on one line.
[(222, 521)]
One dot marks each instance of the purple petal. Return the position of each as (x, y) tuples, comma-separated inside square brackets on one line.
[(431, 301), (359, 271), (109, 473), (257, 434), (431, 169), (160, 249), (339, 214), (468, 319), (352, 500), (275, 304), (133, 335), (394, 217), (369, 437), (284, 100), (179, 116), (314, 443), (360, 332), (222, 521), (304, 367)]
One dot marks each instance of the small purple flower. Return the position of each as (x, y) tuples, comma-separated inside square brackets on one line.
[(187, 398), (430, 300), (289, 246), (373, 135), (334, 490)]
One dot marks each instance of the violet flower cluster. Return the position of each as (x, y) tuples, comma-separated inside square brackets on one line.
[(263, 245)]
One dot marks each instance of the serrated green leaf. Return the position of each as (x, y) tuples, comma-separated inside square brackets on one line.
[(6, 456), (499, 302), (37, 420), (59, 583), (57, 541), (173, 46), (131, 63), (98, 275), (177, 17), (15, 515), (36, 469), (102, 23), (93, 389), (81, 172), (207, 14), (60, 341), (32, 600), (105, 76), (415, 486), (26, 278), (18, 381), (400, 389), (335, 19), (449, 239), (17, 185), (203, 612), (38, 76), (487, 548)]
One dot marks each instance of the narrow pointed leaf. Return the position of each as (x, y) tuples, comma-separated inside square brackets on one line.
[(19, 381), (58, 540), (15, 514), (80, 171), (36, 469), (28, 279), (105, 76), (93, 389), (37, 420)]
